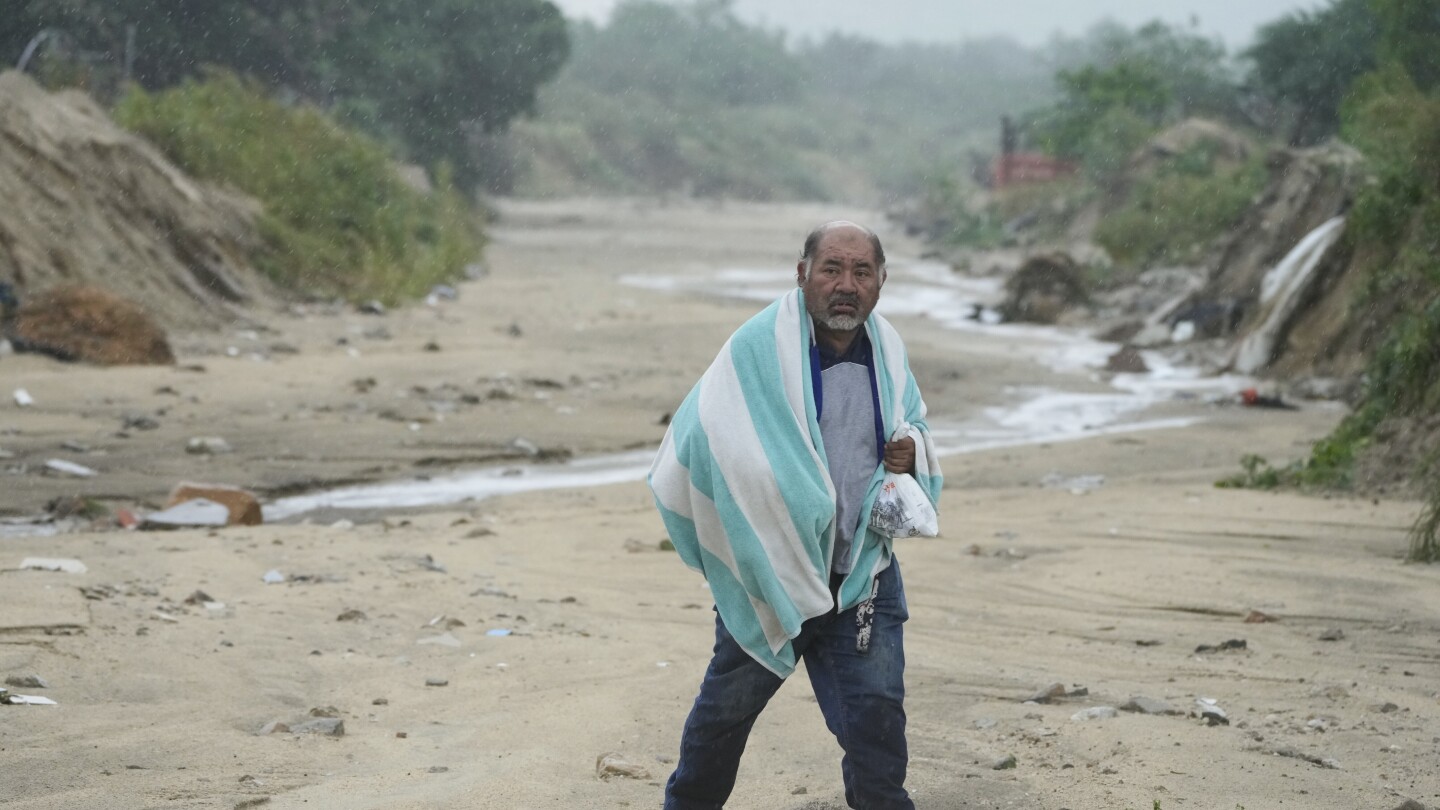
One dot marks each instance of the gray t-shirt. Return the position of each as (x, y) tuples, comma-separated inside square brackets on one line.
[(847, 426)]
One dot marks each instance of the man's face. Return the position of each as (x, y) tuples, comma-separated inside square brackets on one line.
[(844, 283)]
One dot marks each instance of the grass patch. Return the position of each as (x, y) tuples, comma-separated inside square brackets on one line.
[(338, 220)]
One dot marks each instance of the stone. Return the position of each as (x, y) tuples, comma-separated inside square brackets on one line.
[(1145, 705), (611, 765), (274, 727), (1006, 763), (31, 681), (1257, 617), (1048, 693), (139, 422), (328, 726), (243, 506), (437, 682), (1332, 634), (352, 615)]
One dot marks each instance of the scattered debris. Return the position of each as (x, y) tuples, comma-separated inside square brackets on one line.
[(62, 564), (30, 681), (10, 698), (1095, 713), (1145, 705), (498, 631), (1076, 484), (23, 398), (1292, 753), (1252, 398), (197, 512), (1210, 711), (444, 639), (62, 467), (242, 505), (1232, 644), (208, 446), (611, 765), (273, 577)]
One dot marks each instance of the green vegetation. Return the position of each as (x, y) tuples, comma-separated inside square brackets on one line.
[(1171, 215), (1305, 62), (337, 217), (1367, 67), (428, 76)]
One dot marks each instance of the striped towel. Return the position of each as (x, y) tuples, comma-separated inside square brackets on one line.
[(743, 487)]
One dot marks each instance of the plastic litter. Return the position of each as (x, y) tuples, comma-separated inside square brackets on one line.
[(902, 509)]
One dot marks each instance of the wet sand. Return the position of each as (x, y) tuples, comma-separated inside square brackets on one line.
[(161, 702)]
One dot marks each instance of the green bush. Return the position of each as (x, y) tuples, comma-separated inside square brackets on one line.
[(338, 220)]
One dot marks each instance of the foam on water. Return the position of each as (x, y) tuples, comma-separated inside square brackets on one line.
[(1038, 415)]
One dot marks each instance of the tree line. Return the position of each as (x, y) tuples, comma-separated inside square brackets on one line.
[(425, 75)]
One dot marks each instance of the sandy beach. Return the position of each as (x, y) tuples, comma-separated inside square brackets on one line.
[(1097, 556)]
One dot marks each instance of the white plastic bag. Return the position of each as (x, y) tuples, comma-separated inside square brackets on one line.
[(903, 509)]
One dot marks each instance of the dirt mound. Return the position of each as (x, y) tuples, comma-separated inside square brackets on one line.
[(87, 202), (77, 322), (1043, 289)]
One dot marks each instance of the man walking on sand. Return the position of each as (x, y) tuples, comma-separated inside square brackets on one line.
[(765, 481)]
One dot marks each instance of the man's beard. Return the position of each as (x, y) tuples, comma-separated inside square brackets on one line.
[(840, 323)]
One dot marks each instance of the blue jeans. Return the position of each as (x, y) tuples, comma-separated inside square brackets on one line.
[(861, 695)]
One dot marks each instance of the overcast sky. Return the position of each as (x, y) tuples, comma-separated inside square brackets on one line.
[(1029, 21)]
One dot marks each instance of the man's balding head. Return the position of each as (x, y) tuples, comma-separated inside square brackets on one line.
[(812, 242)]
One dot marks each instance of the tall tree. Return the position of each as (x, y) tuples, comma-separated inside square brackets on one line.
[(1306, 62)]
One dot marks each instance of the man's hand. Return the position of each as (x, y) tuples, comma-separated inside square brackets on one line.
[(900, 456)]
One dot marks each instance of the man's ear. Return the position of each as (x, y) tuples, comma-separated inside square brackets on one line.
[(800, 273), (884, 274)]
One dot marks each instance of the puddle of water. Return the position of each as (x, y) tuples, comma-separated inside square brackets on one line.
[(471, 486), (26, 528)]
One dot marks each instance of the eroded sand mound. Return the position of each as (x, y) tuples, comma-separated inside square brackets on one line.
[(87, 202)]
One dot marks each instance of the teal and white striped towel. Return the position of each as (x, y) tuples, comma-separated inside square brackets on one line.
[(742, 483)]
